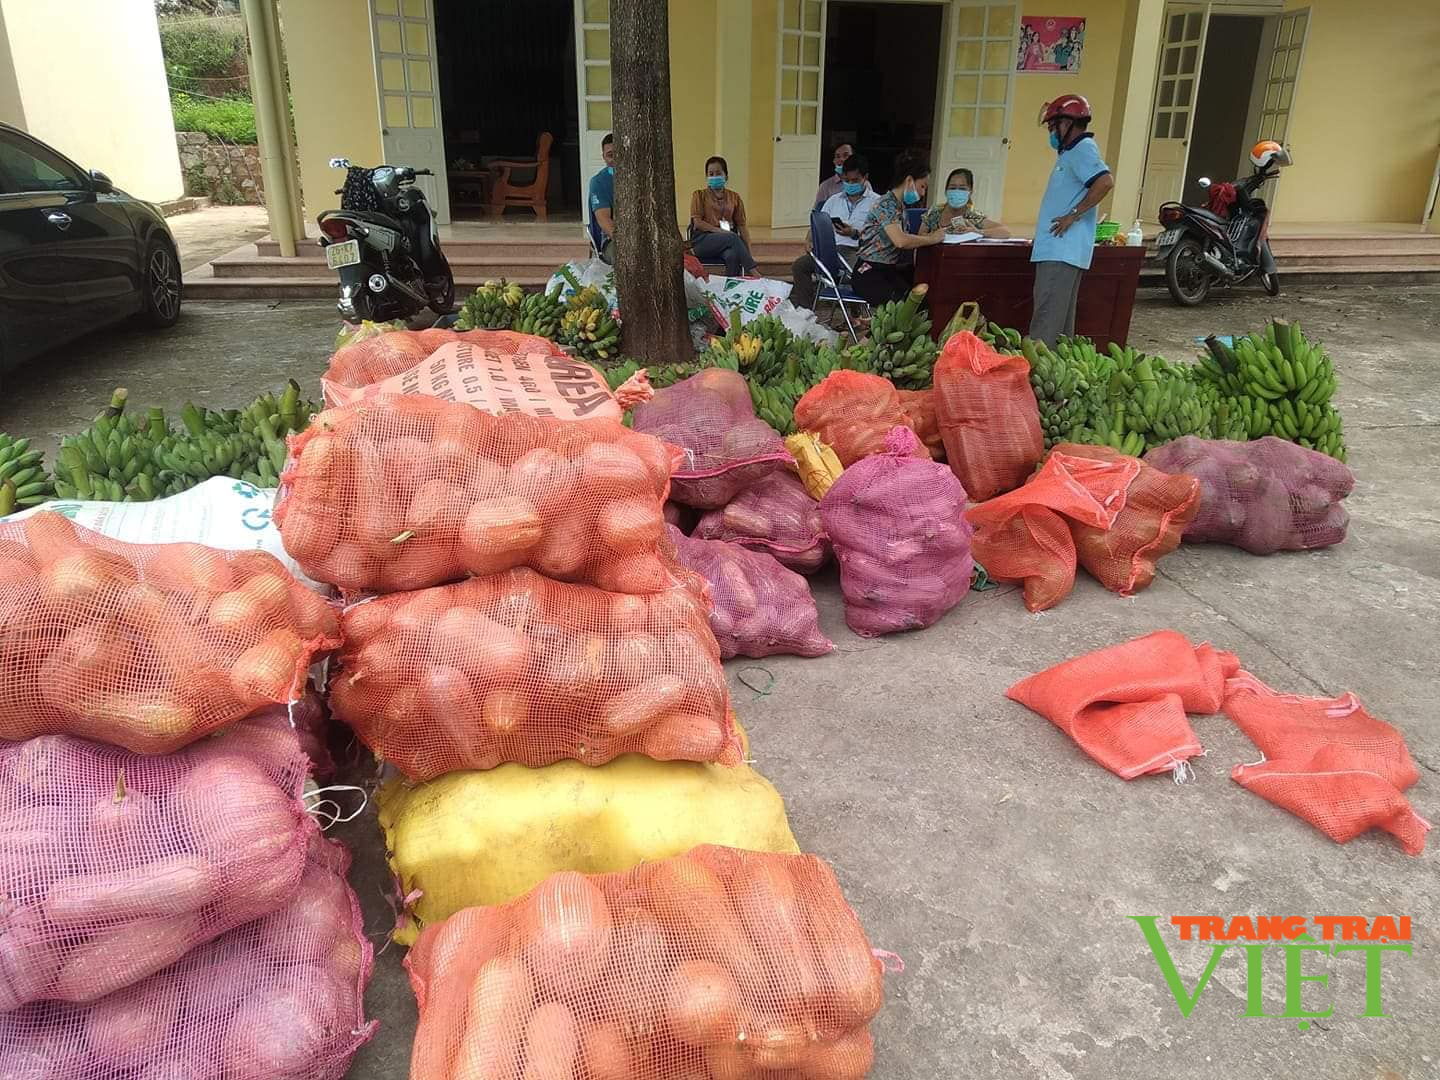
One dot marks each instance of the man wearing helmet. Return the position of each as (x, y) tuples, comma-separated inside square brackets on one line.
[(1065, 233)]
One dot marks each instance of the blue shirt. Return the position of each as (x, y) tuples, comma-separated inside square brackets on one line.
[(1076, 168), (602, 192)]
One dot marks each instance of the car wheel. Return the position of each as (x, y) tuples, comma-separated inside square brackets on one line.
[(1186, 274), (162, 284)]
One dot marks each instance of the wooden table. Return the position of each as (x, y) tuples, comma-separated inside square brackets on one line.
[(469, 188), (1001, 278)]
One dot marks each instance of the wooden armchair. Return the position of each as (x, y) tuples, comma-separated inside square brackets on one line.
[(534, 177)]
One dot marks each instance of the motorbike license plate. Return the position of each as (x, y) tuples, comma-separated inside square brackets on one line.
[(1168, 237), (343, 254)]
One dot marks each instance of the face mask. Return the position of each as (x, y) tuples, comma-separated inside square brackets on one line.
[(840, 169), (610, 169), (853, 188), (957, 198), (715, 182), (911, 196), (1054, 140)]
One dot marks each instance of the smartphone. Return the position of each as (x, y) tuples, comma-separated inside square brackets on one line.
[(837, 222)]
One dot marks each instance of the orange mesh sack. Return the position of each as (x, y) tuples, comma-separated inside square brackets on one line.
[(515, 667), (404, 492), (1024, 535), (1327, 761), (919, 409), (1125, 705), (988, 416), (371, 360), (853, 412), (711, 417), (1157, 508), (147, 646), (716, 963)]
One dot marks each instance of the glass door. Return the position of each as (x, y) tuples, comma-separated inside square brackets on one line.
[(979, 88), (592, 71), (1182, 49), (410, 129), (800, 78)]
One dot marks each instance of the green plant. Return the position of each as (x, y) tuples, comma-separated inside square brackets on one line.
[(232, 119), (196, 49)]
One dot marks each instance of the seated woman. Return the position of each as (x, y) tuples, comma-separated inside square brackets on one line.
[(886, 268), (718, 232), (959, 214)]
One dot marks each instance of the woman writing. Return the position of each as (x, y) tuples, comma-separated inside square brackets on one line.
[(886, 268), (959, 214), (718, 232)]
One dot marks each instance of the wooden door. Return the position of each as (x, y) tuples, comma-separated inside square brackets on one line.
[(405, 73), (978, 91), (800, 87), (592, 72), (1182, 51)]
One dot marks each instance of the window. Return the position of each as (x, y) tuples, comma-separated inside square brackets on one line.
[(28, 166)]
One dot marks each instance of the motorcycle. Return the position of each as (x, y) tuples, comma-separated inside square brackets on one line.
[(384, 243), (1201, 249)]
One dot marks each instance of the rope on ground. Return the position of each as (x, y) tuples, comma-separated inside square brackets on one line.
[(763, 691)]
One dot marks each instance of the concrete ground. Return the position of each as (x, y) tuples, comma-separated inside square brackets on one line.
[(205, 234), (971, 836)]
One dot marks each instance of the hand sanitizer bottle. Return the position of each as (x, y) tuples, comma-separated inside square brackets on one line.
[(1136, 236)]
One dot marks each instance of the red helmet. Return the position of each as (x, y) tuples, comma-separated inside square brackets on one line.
[(1066, 106)]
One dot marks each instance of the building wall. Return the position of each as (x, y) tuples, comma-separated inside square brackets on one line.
[(763, 57), (693, 92), (98, 94)]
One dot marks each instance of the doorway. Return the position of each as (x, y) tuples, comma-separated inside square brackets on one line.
[(882, 65), (1219, 127)]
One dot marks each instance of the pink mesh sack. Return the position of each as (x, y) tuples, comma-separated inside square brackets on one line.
[(1125, 705), (374, 359), (1327, 761), (853, 413), (711, 417), (777, 516), (760, 608), (405, 492), (147, 646), (114, 865), (1263, 496), (988, 416), (279, 998), (903, 544), (515, 667), (716, 963)]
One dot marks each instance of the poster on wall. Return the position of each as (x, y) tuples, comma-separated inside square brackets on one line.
[(1050, 44)]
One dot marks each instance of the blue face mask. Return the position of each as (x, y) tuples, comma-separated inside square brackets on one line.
[(911, 196), (957, 198), (840, 169), (610, 169), (715, 183), (853, 188), (1054, 140)]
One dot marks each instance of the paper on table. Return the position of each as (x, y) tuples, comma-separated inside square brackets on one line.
[(962, 238)]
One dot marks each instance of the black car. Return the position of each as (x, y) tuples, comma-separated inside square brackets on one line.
[(76, 254)]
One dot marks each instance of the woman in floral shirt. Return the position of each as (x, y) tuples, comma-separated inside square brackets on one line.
[(958, 214), (886, 268)]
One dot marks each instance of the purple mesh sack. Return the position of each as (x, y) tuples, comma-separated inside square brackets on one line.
[(1263, 496), (776, 515), (727, 447), (280, 998), (760, 608), (899, 535), (114, 865)]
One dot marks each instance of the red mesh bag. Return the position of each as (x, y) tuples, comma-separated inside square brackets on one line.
[(900, 537), (147, 646), (1125, 705), (717, 963), (1157, 508), (404, 492), (374, 359), (853, 413), (1263, 496), (1024, 535), (516, 667), (114, 865), (776, 515), (1329, 762), (920, 416), (711, 417), (988, 416), (760, 608), (280, 998)]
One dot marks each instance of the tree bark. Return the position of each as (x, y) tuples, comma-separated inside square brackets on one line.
[(649, 276)]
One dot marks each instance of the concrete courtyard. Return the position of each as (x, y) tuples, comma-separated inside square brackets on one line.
[(972, 837)]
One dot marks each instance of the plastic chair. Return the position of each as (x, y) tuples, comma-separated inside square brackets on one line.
[(508, 192), (914, 216), (834, 272)]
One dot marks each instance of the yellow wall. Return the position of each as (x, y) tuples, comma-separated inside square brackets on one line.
[(692, 98), (332, 86), (763, 48), (12, 110), (90, 81), (1368, 97)]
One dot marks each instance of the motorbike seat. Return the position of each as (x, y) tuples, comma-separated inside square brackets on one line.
[(1206, 215)]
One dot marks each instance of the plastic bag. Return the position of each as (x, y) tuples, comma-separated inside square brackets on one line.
[(988, 416), (727, 447), (114, 865), (1024, 535), (405, 492), (919, 409), (280, 998), (760, 607), (715, 963), (586, 273), (1263, 496), (349, 333), (853, 413), (1157, 508), (815, 461), (1327, 761), (374, 359), (147, 646), (472, 838), (777, 516), (1125, 705), (803, 323), (515, 667), (899, 535), (754, 296)]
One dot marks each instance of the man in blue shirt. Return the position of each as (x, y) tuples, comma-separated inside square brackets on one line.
[(602, 202), (1065, 230)]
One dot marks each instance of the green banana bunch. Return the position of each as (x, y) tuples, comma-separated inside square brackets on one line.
[(107, 460), (1001, 338), (23, 479), (591, 332), (859, 357), (762, 345), (816, 362), (493, 306), (540, 314), (775, 403), (1108, 429), (659, 375), (900, 333), (1061, 381), (587, 297)]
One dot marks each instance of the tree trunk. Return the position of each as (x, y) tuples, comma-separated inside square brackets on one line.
[(648, 253)]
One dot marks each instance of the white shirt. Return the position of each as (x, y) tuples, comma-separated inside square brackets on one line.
[(839, 206)]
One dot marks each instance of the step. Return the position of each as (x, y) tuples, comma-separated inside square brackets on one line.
[(307, 267), (556, 250), (1153, 275)]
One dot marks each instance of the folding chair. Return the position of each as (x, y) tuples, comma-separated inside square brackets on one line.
[(834, 272)]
